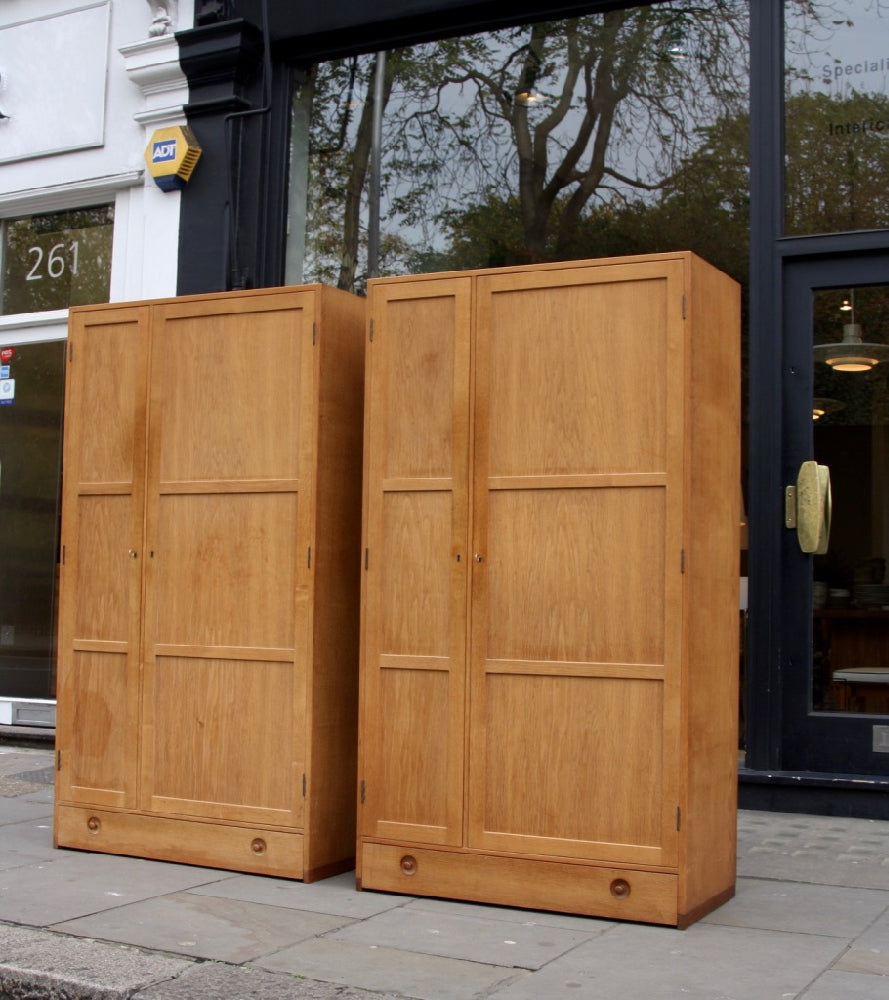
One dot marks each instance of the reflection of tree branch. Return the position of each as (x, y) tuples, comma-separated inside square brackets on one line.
[(355, 183), (634, 182)]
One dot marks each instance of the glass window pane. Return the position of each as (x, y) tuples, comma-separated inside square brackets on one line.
[(836, 116), (30, 460), (851, 434), (57, 260), (623, 132)]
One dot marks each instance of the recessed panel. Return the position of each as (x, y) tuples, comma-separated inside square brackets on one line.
[(104, 566), (97, 718), (577, 379), (574, 758), (109, 397), (577, 575), (416, 573), (419, 387), (228, 394), (224, 570), (223, 731), (414, 747)]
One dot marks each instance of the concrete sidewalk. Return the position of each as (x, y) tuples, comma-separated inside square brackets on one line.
[(810, 920)]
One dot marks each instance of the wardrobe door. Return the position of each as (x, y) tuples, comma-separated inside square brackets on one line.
[(102, 557), (230, 489), (414, 587), (577, 563)]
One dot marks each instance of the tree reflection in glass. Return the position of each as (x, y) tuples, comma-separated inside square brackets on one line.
[(610, 133)]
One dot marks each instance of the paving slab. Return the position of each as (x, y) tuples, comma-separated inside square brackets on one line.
[(77, 883), (40, 965), (826, 850), (529, 918), (376, 968), (846, 986), (224, 930), (335, 895), (14, 760), (226, 982), (475, 939), (833, 911), (21, 809), (705, 962), (870, 950), (28, 841)]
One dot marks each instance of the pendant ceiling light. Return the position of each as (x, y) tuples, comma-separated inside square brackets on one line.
[(851, 354), (823, 407)]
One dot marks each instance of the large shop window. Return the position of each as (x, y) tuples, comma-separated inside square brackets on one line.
[(49, 261), (623, 132), (836, 116)]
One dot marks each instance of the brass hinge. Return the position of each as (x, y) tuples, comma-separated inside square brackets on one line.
[(683, 307), (682, 561), (314, 329), (70, 351), (310, 557), (362, 791), (304, 785), (678, 818), (63, 555), (371, 331), (58, 760), (366, 559)]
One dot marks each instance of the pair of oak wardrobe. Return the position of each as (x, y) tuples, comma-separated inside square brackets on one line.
[(547, 566)]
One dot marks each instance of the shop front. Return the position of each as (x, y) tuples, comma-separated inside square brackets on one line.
[(400, 138), (347, 140)]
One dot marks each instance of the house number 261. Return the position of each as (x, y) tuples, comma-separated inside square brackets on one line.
[(52, 263)]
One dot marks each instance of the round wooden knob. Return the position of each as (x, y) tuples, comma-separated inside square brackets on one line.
[(409, 864), (94, 824), (258, 846), (620, 888)]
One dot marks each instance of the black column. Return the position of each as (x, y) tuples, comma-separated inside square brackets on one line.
[(230, 233)]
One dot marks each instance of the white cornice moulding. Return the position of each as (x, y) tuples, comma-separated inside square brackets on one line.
[(73, 194), (153, 66)]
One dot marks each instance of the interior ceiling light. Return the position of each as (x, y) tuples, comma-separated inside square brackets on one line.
[(823, 407), (851, 354)]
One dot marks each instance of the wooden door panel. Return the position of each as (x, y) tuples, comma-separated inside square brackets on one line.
[(565, 568), (576, 373), (229, 528), (414, 632), (413, 751), (102, 575), (415, 576), (222, 738), (224, 570), (98, 749), (585, 779), (107, 394), (418, 385), (102, 555), (577, 523), (227, 375)]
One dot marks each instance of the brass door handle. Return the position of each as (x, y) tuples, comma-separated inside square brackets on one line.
[(808, 507)]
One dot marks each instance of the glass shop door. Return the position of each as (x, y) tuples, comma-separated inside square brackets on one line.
[(835, 622), (31, 403)]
